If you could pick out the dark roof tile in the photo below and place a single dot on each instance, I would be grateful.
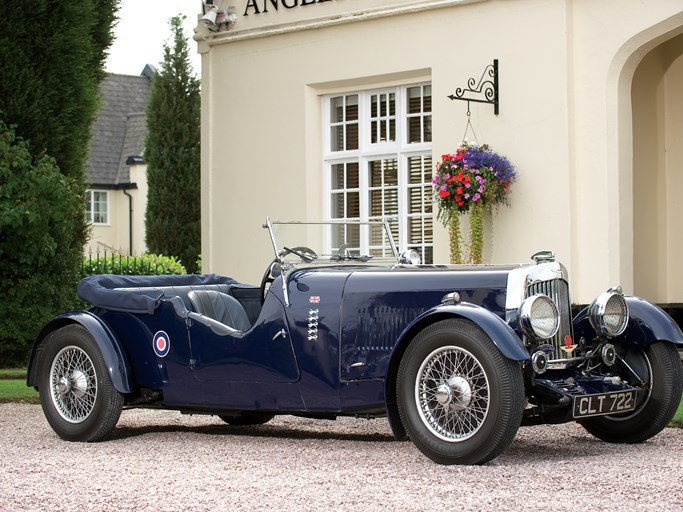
(119, 130)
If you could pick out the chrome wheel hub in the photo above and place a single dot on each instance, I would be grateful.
(64, 385)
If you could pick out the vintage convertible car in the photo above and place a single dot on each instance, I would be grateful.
(456, 357)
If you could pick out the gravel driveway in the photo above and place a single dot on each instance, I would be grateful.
(160, 460)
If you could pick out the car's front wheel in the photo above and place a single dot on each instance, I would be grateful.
(460, 400)
(77, 396)
(660, 375)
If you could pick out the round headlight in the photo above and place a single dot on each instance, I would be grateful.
(609, 314)
(538, 317)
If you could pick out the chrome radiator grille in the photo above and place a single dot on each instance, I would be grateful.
(558, 290)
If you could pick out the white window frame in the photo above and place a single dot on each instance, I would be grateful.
(89, 213)
(399, 149)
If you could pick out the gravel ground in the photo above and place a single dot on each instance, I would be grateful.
(161, 460)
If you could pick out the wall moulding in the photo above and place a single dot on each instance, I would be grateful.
(310, 17)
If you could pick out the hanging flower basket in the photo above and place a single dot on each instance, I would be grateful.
(470, 180)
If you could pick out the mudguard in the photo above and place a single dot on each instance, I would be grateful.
(647, 323)
(502, 335)
(116, 360)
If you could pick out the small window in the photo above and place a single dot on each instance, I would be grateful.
(97, 206)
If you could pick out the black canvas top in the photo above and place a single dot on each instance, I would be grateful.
(114, 292)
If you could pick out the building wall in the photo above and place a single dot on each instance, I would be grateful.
(565, 117)
(115, 236)
(658, 172)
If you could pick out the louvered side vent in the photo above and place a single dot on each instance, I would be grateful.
(558, 290)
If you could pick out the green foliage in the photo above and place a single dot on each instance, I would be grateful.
(145, 265)
(52, 56)
(173, 222)
(39, 246)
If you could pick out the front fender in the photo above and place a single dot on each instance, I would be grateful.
(116, 360)
(502, 335)
(647, 323)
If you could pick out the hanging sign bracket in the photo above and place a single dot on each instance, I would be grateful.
(483, 91)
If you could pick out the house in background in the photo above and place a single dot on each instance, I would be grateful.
(116, 172)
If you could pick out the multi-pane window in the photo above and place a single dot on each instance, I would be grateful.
(97, 206)
(378, 166)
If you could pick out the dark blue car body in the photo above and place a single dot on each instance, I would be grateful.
(333, 339)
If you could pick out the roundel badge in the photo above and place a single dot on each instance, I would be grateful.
(161, 343)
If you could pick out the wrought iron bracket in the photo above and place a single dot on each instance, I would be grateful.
(483, 91)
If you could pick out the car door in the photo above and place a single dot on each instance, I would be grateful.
(254, 369)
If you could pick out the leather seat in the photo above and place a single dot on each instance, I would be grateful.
(222, 307)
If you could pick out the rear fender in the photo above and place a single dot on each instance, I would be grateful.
(116, 360)
(502, 335)
(647, 323)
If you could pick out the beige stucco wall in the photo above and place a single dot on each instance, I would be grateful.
(565, 73)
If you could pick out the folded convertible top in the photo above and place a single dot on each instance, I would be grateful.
(138, 294)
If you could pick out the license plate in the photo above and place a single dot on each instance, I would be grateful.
(604, 403)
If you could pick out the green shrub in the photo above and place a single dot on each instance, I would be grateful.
(39, 209)
(145, 265)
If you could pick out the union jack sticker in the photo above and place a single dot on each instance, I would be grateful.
(314, 299)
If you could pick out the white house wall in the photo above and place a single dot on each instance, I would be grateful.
(114, 236)
(561, 73)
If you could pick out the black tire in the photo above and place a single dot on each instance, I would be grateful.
(658, 398)
(247, 419)
(460, 400)
(77, 396)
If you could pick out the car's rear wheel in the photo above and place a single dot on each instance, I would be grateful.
(248, 418)
(77, 396)
(661, 374)
(460, 400)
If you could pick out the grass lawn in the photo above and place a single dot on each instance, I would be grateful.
(677, 421)
(13, 387)
(15, 390)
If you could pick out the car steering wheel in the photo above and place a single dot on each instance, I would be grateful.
(305, 253)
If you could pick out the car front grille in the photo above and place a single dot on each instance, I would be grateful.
(558, 291)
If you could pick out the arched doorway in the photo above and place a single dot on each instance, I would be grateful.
(657, 135)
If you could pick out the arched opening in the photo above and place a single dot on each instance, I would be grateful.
(657, 126)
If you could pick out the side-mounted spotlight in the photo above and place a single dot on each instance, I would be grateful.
(217, 18)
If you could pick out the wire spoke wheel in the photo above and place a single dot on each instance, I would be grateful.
(459, 399)
(73, 384)
(76, 392)
(452, 391)
(657, 374)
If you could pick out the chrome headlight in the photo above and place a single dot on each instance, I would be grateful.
(538, 317)
(609, 314)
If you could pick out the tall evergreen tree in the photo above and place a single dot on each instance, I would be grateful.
(173, 222)
(52, 58)
(51, 63)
